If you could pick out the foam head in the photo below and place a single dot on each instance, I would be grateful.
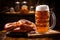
(42, 8)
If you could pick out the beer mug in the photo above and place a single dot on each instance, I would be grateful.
(44, 19)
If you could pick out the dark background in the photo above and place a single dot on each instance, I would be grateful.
(4, 18)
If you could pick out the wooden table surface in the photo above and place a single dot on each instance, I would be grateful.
(52, 35)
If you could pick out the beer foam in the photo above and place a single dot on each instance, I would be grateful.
(42, 8)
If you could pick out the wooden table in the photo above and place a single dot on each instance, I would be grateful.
(51, 35)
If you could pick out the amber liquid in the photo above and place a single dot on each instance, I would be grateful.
(42, 21)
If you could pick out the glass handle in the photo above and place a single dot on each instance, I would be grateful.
(53, 20)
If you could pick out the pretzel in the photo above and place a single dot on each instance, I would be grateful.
(21, 25)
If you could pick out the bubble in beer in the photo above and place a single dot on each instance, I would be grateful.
(42, 8)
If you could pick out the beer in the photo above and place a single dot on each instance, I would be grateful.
(42, 16)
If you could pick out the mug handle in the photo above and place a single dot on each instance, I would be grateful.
(53, 20)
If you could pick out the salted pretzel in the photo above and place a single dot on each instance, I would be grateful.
(20, 26)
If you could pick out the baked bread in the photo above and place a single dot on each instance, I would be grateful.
(20, 26)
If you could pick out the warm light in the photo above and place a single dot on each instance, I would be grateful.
(24, 2)
(31, 7)
(17, 2)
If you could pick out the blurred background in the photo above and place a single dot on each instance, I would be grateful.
(16, 5)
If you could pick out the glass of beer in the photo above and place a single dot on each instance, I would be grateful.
(42, 18)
